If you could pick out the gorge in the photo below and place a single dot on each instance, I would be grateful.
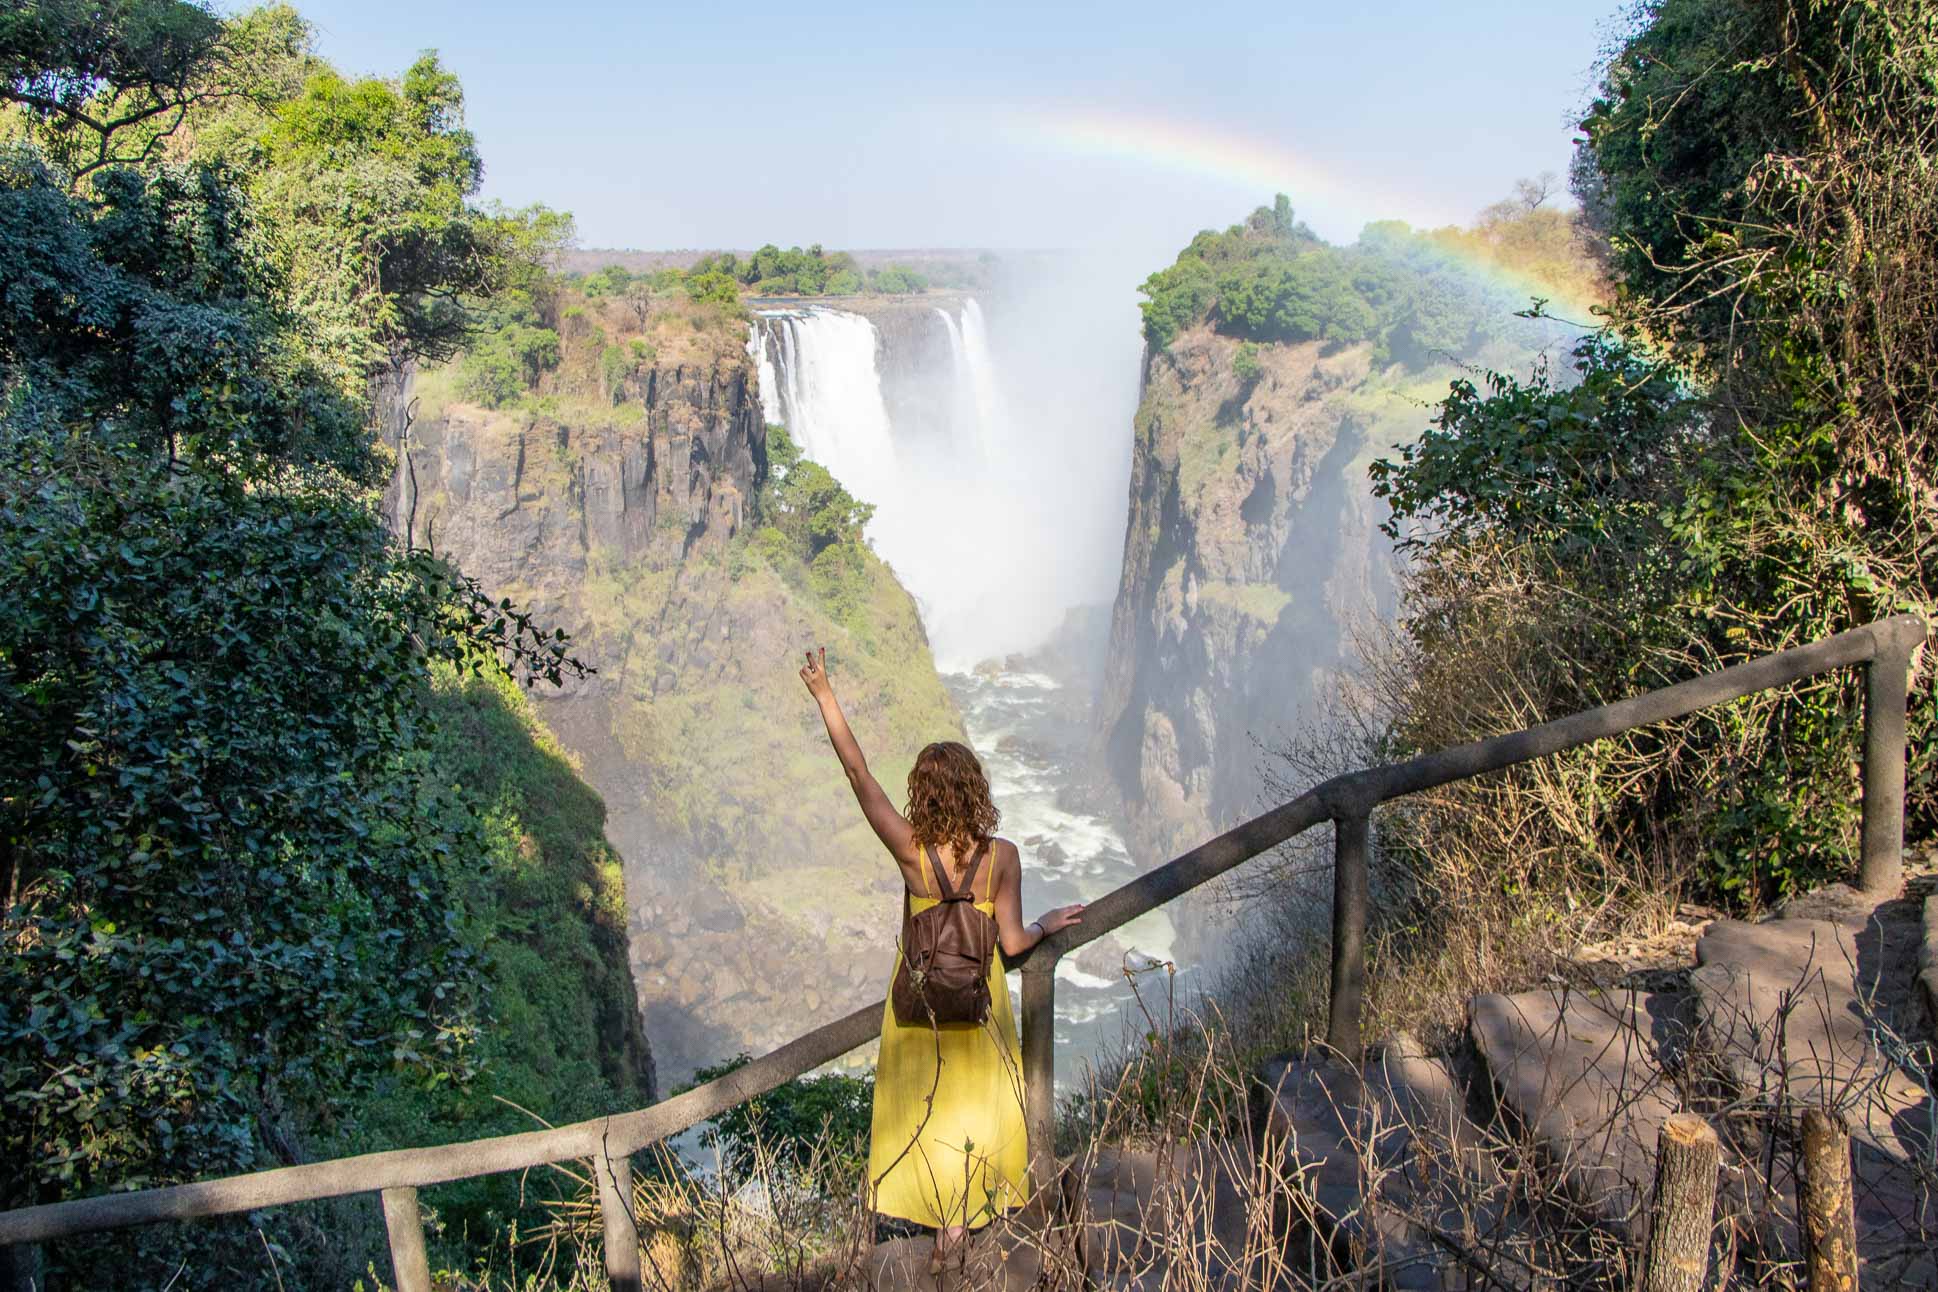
(1004, 499)
(633, 524)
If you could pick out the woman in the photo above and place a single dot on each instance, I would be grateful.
(947, 1148)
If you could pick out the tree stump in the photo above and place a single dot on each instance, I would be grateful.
(1829, 1225)
(1687, 1159)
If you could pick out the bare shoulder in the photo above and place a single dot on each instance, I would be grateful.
(1008, 860)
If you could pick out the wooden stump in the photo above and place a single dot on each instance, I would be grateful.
(1829, 1225)
(1687, 1159)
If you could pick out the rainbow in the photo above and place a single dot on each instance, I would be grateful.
(1248, 163)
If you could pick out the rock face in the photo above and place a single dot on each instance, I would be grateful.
(1251, 550)
(759, 904)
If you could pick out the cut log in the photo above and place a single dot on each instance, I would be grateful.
(1829, 1221)
(1688, 1157)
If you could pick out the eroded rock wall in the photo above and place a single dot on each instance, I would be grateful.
(759, 904)
(1251, 550)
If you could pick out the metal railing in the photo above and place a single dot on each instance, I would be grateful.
(1884, 648)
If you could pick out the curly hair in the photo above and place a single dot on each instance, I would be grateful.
(948, 798)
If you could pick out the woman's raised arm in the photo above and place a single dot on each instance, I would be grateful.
(890, 826)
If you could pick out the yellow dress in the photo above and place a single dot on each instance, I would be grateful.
(963, 1158)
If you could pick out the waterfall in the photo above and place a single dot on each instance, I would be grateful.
(966, 427)
(760, 349)
(991, 418)
(828, 394)
(990, 497)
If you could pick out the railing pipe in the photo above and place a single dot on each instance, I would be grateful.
(1887, 693)
(1350, 885)
(410, 1266)
(1347, 799)
(625, 1133)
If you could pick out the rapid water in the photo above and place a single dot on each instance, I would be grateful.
(1028, 728)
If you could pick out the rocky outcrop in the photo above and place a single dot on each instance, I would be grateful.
(1252, 549)
(758, 904)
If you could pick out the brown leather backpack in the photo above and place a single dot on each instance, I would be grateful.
(944, 972)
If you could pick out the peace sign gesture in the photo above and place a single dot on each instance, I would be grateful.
(815, 674)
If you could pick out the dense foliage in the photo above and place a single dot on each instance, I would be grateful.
(1742, 461)
(239, 896)
(103, 82)
(1420, 297)
(513, 346)
(809, 526)
(545, 920)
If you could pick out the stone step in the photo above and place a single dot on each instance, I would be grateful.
(1583, 1071)
(1802, 1012)
(1792, 1007)
(1150, 1211)
(1348, 1140)
(1032, 1248)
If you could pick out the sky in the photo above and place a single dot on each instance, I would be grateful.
(999, 124)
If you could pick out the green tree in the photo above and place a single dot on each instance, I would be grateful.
(102, 82)
(1747, 461)
(715, 286)
(233, 896)
(510, 351)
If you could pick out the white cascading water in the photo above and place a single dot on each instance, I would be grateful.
(975, 517)
(974, 339)
(760, 349)
(967, 414)
(833, 405)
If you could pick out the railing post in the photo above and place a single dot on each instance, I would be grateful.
(1349, 896)
(20, 1268)
(1887, 688)
(621, 1229)
(409, 1265)
(1039, 1066)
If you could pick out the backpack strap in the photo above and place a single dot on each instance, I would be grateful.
(945, 890)
(951, 892)
(975, 864)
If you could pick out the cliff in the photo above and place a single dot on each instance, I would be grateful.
(621, 505)
(1252, 548)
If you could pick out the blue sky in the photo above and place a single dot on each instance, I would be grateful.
(912, 125)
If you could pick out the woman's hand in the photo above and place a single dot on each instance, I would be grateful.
(1060, 918)
(816, 675)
